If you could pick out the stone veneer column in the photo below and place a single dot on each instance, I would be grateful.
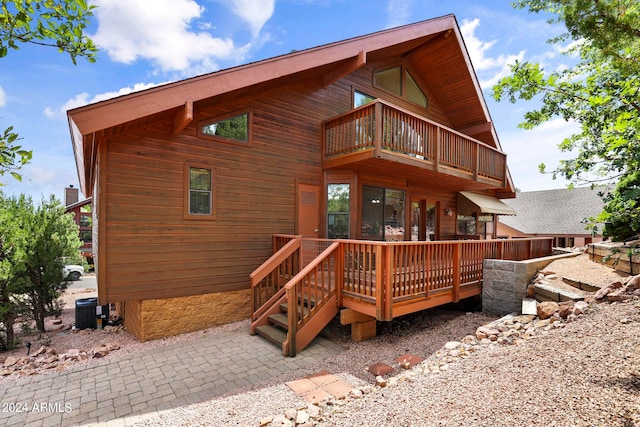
(504, 286)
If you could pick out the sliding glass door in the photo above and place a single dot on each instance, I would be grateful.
(383, 214)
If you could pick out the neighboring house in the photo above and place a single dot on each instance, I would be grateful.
(371, 138)
(81, 210)
(562, 214)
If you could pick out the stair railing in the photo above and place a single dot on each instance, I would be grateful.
(316, 286)
(268, 280)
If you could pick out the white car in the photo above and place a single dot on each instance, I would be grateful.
(73, 272)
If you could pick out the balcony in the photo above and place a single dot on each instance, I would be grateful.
(380, 130)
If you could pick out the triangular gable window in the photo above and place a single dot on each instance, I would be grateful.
(413, 92)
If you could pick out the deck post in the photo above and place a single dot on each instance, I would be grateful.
(438, 148)
(390, 274)
(378, 137)
(292, 314)
(476, 167)
(339, 274)
(457, 272)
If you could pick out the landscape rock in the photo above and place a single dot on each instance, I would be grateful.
(618, 295)
(40, 351)
(633, 283)
(546, 309)
(565, 310)
(302, 417)
(10, 361)
(580, 307)
(452, 345)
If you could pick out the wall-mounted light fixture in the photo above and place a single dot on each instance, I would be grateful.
(448, 212)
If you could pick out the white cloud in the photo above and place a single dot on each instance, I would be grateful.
(160, 31)
(3, 97)
(254, 12)
(84, 98)
(398, 12)
(479, 53)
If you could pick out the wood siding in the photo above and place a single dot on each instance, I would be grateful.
(151, 251)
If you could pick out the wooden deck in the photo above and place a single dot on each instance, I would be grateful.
(310, 279)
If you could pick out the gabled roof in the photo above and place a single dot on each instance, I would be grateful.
(554, 212)
(435, 44)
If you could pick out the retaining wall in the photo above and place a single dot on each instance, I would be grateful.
(504, 284)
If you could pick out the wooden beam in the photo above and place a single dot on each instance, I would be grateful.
(183, 118)
(361, 331)
(474, 130)
(351, 65)
(349, 316)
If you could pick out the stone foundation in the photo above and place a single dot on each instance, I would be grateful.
(159, 318)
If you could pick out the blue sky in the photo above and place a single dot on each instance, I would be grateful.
(149, 42)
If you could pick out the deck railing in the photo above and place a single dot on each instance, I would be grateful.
(378, 275)
(381, 279)
(381, 126)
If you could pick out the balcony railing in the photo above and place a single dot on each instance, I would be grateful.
(380, 128)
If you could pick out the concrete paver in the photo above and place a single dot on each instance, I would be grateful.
(133, 387)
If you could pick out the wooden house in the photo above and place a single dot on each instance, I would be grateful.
(382, 140)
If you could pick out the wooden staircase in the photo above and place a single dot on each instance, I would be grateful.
(278, 326)
(292, 305)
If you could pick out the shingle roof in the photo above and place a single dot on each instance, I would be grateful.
(553, 211)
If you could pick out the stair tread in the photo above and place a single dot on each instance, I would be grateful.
(285, 308)
(279, 319)
(273, 334)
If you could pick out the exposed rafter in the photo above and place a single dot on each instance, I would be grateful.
(474, 130)
(348, 67)
(183, 118)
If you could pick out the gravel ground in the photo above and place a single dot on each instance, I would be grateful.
(586, 373)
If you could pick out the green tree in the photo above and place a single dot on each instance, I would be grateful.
(601, 93)
(54, 23)
(53, 237)
(35, 242)
(12, 242)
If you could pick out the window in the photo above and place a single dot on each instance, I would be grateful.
(392, 81)
(466, 225)
(413, 92)
(199, 200)
(485, 226)
(235, 128)
(338, 211)
(382, 214)
(423, 220)
(85, 219)
(360, 99)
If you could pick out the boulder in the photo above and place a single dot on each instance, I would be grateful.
(546, 309)
(565, 310)
(580, 307)
(10, 361)
(602, 293)
(633, 283)
(618, 295)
